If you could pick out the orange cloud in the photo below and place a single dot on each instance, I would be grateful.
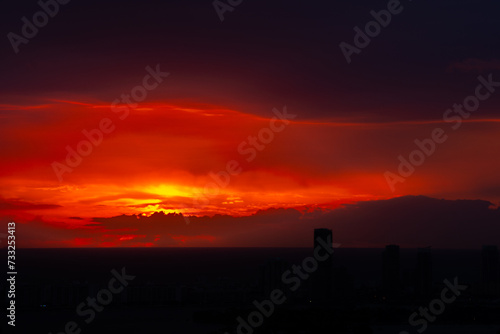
(164, 156)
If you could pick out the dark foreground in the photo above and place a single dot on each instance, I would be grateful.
(241, 290)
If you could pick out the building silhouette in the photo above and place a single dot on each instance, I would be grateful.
(490, 270)
(322, 279)
(391, 270)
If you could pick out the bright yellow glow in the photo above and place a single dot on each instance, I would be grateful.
(129, 202)
(165, 190)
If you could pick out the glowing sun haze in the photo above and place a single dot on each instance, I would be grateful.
(161, 156)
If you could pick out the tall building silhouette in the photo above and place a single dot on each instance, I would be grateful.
(423, 272)
(490, 270)
(322, 279)
(391, 269)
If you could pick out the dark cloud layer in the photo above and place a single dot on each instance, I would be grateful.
(266, 53)
(418, 221)
(411, 221)
(16, 204)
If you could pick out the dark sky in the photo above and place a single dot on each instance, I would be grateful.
(268, 52)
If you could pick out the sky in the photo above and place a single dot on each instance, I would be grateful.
(156, 124)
